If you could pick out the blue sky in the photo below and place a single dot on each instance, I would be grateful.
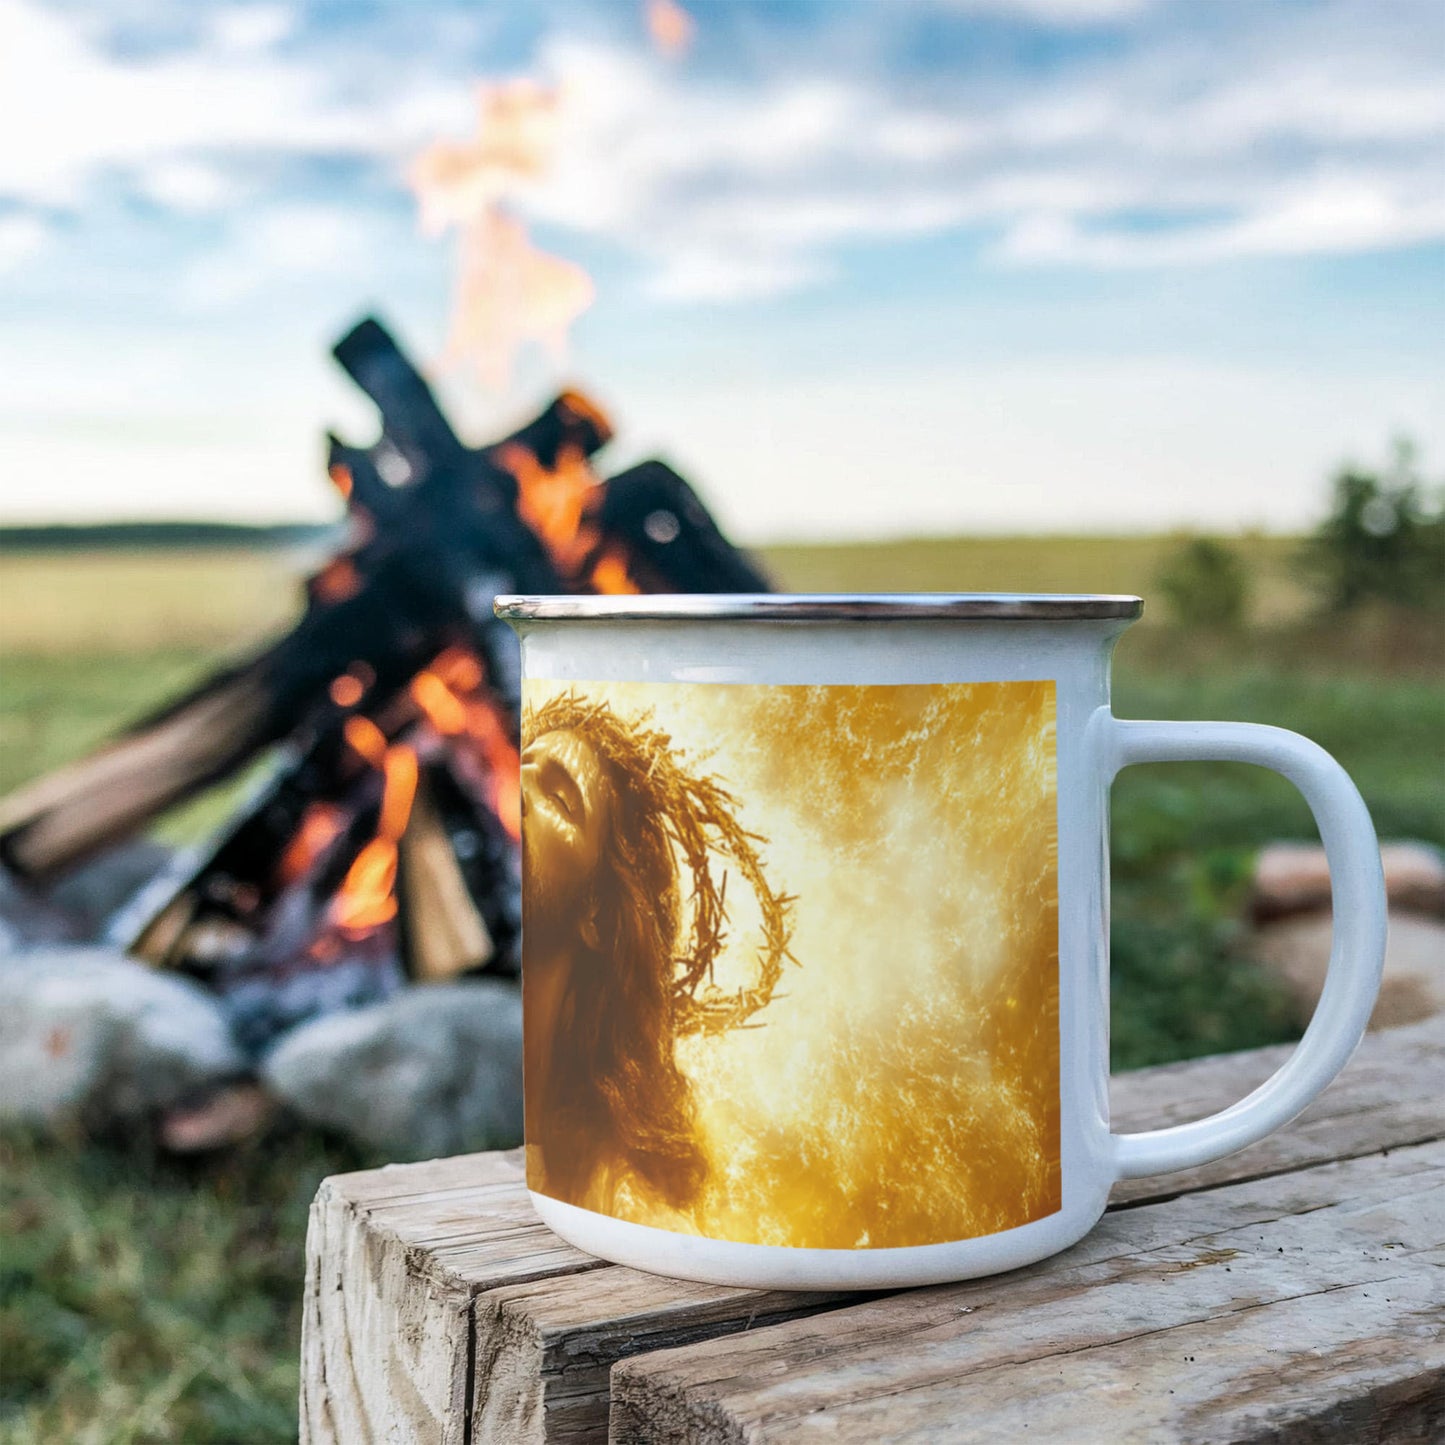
(862, 268)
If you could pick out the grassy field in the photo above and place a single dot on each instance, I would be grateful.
(1030, 564)
(57, 603)
(142, 1299)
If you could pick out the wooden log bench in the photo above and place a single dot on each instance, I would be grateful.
(1295, 1291)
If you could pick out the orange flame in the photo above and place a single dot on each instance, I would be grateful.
(508, 294)
(456, 183)
(459, 669)
(451, 697)
(610, 574)
(443, 709)
(367, 896)
(670, 27)
(552, 502)
(337, 581)
(346, 690)
(321, 825)
(399, 791)
(367, 739)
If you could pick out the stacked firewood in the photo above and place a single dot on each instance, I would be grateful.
(380, 845)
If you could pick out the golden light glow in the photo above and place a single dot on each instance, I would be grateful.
(902, 1087)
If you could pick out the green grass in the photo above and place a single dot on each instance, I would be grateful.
(147, 1300)
(58, 706)
(1184, 838)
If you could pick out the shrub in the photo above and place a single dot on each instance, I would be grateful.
(1383, 541)
(1205, 584)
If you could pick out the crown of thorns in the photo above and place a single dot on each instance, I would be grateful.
(698, 817)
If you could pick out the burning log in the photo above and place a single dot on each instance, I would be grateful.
(429, 558)
(386, 849)
(384, 843)
(663, 527)
(445, 932)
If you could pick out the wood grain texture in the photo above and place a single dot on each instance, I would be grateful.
(545, 1350)
(394, 1258)
(1389, 1094)
(1256, 1311)
(438, 1308)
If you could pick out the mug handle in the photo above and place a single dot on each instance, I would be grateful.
(1357, 954)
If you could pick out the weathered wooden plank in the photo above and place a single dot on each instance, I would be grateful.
(394, 1258)
(422, 1249)
(545, 1349)
(1275, 1305)
(1324, 1367)
(1388, 1095)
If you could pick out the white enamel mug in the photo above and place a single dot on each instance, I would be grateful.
(816, 927)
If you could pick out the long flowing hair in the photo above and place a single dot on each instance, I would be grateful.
(615, 1087)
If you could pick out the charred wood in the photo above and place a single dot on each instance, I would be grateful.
(421, 579)
(674, 542)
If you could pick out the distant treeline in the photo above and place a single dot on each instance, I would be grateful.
(120, 535)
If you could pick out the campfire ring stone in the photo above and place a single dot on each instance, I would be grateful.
(433, 1070)
(90, 1035)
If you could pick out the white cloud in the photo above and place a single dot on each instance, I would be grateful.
(719, 275)
(1285, 134)
(72, 113)
(251, 27)
(188, 186)
(1289, 130)
(21, 237)
(1343, 215)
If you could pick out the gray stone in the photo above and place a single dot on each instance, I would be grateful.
(435, 1070)
(1413, 987)
(93, 893)
(90, 1035)
(1294, 878)
(28, 919)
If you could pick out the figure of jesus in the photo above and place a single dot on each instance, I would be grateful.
(608, 1112)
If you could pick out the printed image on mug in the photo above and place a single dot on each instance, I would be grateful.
(790, 965)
